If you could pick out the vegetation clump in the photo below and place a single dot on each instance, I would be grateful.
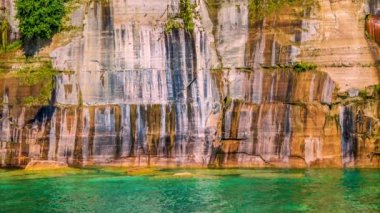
(44, 76)
(364, 94)
(10, 47)
(186, 15)
(304, 66)
(39, 20)
(173, 24)
(259, 9)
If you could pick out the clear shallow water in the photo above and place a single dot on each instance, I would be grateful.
(96, 190)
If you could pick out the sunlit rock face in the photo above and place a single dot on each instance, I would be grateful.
(281, 85)
(271, 110)
(154, 88)
(344, 54)
(153, 92)
(135, 94)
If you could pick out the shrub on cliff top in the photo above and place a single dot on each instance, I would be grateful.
(39, 19)
(304, 66)
(186, 14)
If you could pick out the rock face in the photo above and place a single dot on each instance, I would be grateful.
(344, 54)
(8, 10)
(225, 94)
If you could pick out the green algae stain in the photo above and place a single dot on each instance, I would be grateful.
(44, 76)
(260, 9)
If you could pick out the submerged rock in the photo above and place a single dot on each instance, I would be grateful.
(45, 165)
(183, 174)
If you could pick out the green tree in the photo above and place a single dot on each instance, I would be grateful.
(39, 19)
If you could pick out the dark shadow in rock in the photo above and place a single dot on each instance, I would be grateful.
(32, 46)
(45, 113)
(374, 7)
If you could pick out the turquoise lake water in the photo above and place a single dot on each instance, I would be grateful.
(97, 190)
